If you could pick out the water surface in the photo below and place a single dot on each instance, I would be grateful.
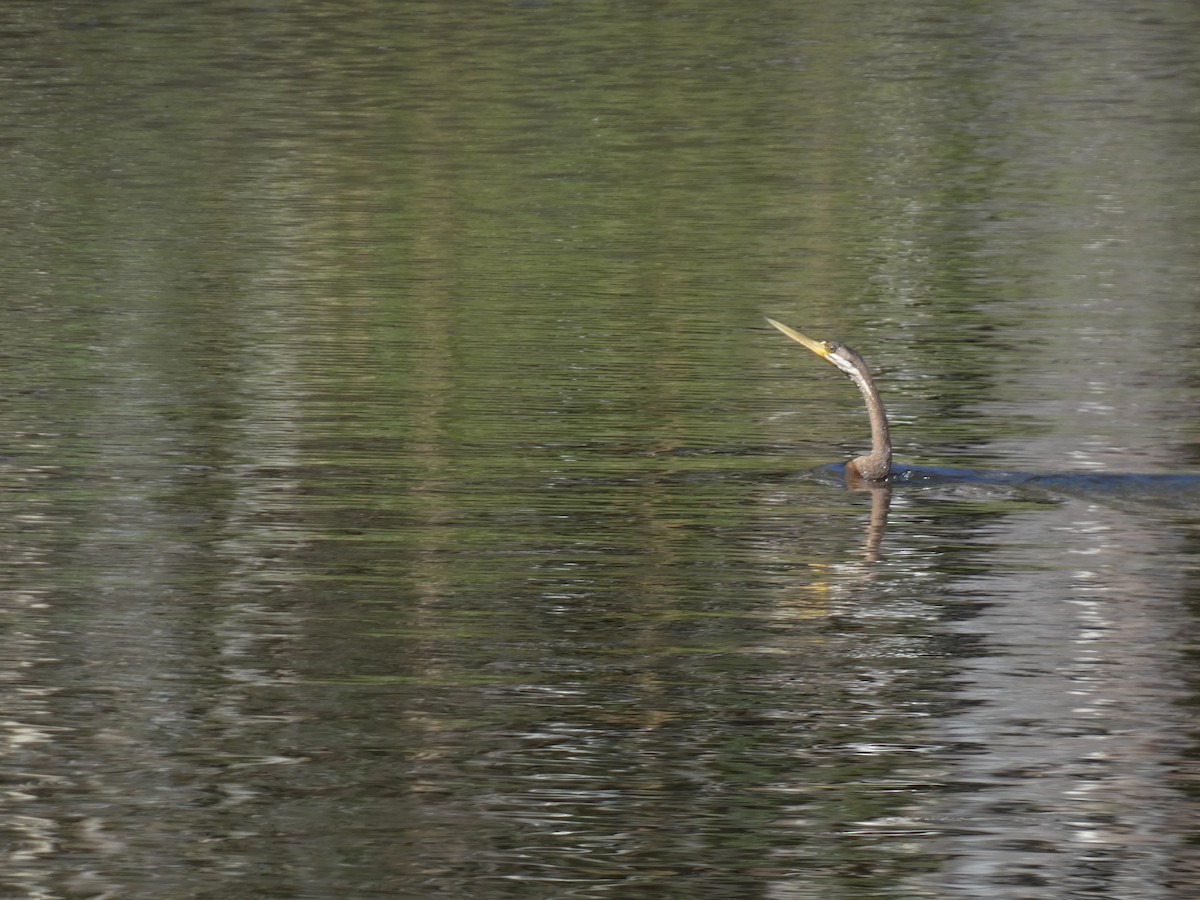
(403, 495)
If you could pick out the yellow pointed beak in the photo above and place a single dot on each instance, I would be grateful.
(817, 347)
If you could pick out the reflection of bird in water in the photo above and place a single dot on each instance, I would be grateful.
(875, 466)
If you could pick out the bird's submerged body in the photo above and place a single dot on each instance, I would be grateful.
(875, 468)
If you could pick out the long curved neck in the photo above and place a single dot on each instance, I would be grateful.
(876, 465)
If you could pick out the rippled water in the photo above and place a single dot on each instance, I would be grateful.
(404, 497)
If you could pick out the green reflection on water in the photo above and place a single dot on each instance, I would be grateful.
(393, 377)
